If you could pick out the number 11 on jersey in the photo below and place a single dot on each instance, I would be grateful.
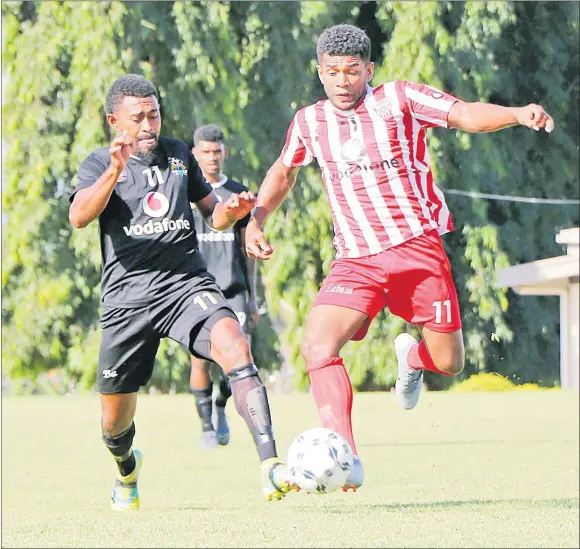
(149, 173)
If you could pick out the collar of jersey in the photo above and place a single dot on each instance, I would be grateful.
(352, 111)
(220, 183)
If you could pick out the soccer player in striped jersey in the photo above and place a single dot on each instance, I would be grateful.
(388, 215)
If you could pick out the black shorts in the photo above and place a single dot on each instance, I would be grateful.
(130, 337)
(239, 304)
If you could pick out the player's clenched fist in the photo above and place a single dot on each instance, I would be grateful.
(237, 206)
(535, 117)
(122, 147)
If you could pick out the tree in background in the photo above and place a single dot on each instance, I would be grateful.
(208, 60)
(247, 66)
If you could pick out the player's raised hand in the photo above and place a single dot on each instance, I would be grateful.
(238, 206)
(535, 117)
(256, 244)
(122, 147)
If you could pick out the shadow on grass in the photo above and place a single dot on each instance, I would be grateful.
(182, 507)
(565, 503)
(338, 508)
(454, 442)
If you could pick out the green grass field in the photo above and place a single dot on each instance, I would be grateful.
(461, 470)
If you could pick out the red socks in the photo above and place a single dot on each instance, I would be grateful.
(332, 392)
(420, 359)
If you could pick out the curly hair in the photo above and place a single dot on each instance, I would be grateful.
(344, 40)
(211, 133)
(130, 85)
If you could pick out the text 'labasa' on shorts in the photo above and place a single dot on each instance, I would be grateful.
(130, 337)
(413, 280)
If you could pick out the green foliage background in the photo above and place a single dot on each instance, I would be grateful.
(248, 66)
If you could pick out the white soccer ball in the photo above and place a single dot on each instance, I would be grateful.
(319, 461)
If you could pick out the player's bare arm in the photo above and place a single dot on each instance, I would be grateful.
(221, 216)
(89, 203)
(277, 184)
(486, 117)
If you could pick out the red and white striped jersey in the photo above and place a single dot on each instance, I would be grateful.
(375, 164)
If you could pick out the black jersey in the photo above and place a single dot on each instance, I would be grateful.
(147, 232)
(222, 250)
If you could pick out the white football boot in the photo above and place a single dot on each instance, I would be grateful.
(409, 381)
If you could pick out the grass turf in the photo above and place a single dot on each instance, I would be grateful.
(461, 470)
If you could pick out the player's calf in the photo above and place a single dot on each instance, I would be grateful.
(251, 402)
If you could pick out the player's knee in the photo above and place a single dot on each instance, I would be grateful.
(451, 364)
(313, 349)
(237, 352)
(113, 424)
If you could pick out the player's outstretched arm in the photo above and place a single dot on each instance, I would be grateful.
(89, 203)
(223, 215)
(274, 189)
(486, 117)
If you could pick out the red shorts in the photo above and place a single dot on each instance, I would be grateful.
(412, 279)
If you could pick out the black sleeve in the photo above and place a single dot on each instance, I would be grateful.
(90, 170)
(198, 187)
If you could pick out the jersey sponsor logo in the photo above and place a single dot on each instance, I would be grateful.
(338, 289)
(151, 227)
(352, 150)
(122, 176)
(155, 204)
(385, 166)
(177, 166)
(218, 236)
(107, 374)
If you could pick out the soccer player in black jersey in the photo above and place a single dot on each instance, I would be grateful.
(154, 280)
(225, 256)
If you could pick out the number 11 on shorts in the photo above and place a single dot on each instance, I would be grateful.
(439, 310)
(199, 300)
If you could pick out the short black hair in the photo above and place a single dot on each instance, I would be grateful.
(344, 40)
(130, 85)
(210, 132)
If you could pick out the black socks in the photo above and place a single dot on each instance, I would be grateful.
(204, 406)
(121, 448)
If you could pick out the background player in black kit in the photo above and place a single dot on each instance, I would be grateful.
(225, 256)
(154, 281)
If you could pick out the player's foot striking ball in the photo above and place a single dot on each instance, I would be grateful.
(276, 479)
